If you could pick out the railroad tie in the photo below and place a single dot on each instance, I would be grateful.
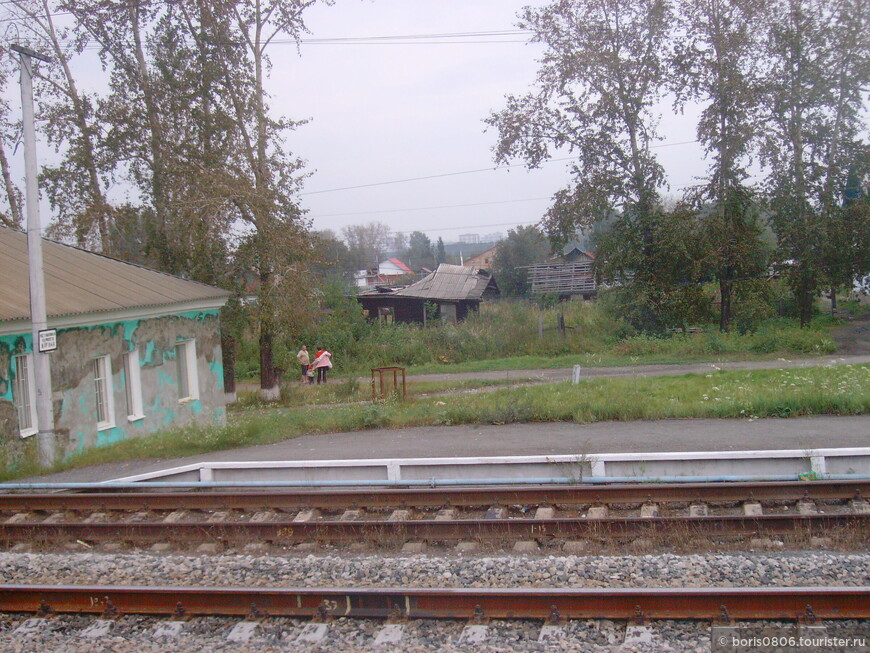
(807, 508)
(307, 515)
(860, 506)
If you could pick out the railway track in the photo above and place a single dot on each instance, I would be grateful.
(780, 603)
(390, 517)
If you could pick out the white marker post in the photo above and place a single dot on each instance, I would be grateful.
(39, 322)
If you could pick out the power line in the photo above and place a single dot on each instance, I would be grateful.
(429, 208)
(464, 172)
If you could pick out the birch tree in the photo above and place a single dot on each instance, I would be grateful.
(76, 185)
(717, 64)
(814, 117)
(267, 178)
(11, 207)
(603, 70)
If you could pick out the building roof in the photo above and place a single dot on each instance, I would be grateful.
(81, 282)
(451, 282)
(575, 245)
(400, 265)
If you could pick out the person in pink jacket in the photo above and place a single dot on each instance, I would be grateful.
(322, 363)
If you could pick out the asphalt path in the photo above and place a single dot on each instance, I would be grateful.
(801, 433)
(676, 369)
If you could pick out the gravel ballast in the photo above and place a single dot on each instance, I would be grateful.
(134, 634)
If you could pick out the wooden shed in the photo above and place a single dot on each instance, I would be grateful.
(447, 294)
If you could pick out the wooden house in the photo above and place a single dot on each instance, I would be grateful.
(569, 275)
(447, 294)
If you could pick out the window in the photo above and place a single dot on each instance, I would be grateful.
(24, 392)
(185, 360)
(103, 393)
(133, 385)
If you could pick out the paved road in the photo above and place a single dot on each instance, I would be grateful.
(548, 438)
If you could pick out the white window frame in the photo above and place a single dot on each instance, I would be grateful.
(25, 389)
(185, 358)
(103, 388)
(133, 386)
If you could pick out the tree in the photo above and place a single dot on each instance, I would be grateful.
(658, 274)
(603, 69)
(440, 252)
(366, 242)
(11, 213)
(419, 253)
(333, 257)
(265, 177)
(524, 246)
(716, 63)
(76, 186)
(819, 62)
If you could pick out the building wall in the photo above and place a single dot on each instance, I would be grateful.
(72, 374)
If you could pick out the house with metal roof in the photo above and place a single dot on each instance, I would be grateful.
(136, 350)
(447, 294)
(386, 273)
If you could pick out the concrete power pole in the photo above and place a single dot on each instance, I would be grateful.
(41, 368)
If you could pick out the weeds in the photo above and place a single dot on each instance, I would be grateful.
(504, 334)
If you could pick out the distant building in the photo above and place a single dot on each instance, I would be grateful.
(388, 272)
(448, 294)
(137, 350)
(483, 260)
(493, 237)
(471, 239)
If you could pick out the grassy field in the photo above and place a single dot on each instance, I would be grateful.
(840, 390)
(504, 335)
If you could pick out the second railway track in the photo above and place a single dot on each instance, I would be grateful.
(394, 517)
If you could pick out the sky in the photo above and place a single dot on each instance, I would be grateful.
(384, 110)
(395, 94)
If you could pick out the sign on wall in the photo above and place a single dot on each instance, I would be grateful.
(47, 340)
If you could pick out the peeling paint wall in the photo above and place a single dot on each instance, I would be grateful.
(72, 373)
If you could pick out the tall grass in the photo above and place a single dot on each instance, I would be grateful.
(508, 329)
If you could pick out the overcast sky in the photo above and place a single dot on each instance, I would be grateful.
(395, 109)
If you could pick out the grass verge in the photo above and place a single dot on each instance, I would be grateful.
(840, 390)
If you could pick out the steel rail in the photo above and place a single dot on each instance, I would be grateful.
(420, 498)
(780, 603)
(422, 529)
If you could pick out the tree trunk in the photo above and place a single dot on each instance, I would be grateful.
(14, 205)
(269, 388)
(726, 287)
(228, 349)
(160, 245)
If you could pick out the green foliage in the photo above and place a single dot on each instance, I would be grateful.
(523, 246)
(420, 252)
(658, 260)
(505, 333)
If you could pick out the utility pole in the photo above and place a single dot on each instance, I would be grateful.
(41, 368)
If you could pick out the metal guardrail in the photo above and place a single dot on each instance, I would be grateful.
(582, 468)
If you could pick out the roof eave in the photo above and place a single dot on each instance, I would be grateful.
(92, 318)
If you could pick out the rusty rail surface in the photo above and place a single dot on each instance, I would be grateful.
(792, 603)
(427, 498)
(280, 532)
